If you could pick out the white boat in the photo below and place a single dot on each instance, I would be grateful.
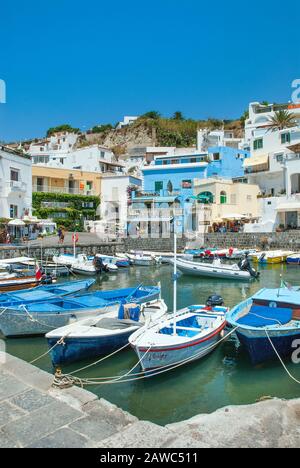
(216, 269)
(139, 259)
(237, 254)
(185, 336)
(102, 334)
(84, 266)
(120, 262)
(65, 259)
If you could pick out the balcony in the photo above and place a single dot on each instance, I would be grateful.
(16, 186)
(66, 190)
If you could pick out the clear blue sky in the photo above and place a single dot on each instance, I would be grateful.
(85, 63)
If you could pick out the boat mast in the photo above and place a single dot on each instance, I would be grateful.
(175, 283)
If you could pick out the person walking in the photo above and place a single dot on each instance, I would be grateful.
(59, 232)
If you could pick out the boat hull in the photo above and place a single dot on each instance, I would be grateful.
(165, 357)
(211, 271)
(260, 349)
(293, 261)
(16, 323)
(76, 349)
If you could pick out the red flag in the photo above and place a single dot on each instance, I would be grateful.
(38, 273)
(75, 237)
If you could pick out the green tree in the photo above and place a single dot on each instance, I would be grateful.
(62, 128)
(151, 115)
(282, 119)
(178, 116)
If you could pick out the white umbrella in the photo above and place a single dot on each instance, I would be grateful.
(16, 222)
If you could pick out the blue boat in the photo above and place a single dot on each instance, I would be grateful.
(100, 335)
(268, 323)
(139, 295)
(293, 259)
(44, 293)
(40, 317)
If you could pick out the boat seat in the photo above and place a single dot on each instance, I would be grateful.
(115, 324)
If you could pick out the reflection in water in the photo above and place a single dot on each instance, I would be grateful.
(223, 378)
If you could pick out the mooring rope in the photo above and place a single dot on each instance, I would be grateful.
(280, 359)
(139, 375)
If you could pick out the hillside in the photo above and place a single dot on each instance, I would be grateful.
(156, 131)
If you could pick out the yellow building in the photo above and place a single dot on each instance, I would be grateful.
(226, 200)
(69, 181)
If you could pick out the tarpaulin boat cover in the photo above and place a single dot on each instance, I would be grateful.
(260, 316)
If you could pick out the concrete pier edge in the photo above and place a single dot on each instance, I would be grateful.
(34, 414)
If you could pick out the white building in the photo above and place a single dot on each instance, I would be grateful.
(274, 166)
(269, 149)
(15, 184)
(62, 150)
(209, 138)
(115, 195)
(140, 156)
(127, 120)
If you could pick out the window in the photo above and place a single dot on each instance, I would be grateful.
(193, 160)
(14, 175)
(233, 199)
(175, 161)
(279, 158)
(258, 144)
(186, 184)
(285, 138)
(158, 186)
(223, 198)
(216, 156)
(13, 211)
(249, 198)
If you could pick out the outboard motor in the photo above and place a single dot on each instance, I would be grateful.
(99, 265)
(215, 300)
(245, 265)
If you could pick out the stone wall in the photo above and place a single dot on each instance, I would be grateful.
(284, 240)
(48, 252)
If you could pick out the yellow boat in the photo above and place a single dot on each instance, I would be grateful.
(271, 257)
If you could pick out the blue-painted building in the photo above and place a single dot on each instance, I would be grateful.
(169, 181)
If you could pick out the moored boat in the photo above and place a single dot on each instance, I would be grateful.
(39, 317)
(44, 293)
(139, 259)
(293, 259)
(184, 336)
(191, 334)
(271, 257)
(216, 269)
(268, 323)
(102, 334)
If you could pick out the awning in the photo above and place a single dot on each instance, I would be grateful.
(288, 207)
(295, 148)
(260, 160)
(235, 216)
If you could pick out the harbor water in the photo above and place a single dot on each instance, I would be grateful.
(226, 377)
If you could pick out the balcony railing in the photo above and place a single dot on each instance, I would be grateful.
(66, 190)
(16, 186)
